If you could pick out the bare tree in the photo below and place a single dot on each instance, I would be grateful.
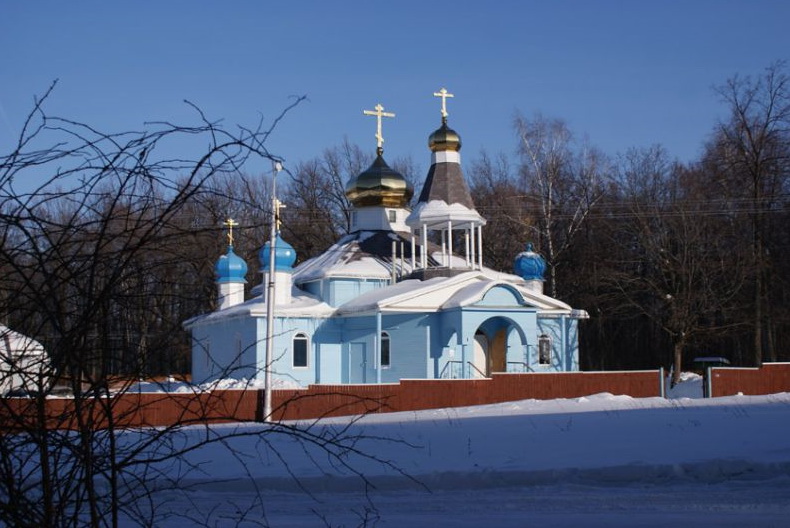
(751, 153)
(564, 180)
(509, 211)
(674, 264)
(95, 270)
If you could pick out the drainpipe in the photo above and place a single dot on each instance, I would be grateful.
(427, 347)
(463, 358)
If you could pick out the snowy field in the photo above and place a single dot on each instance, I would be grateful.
(603, 460)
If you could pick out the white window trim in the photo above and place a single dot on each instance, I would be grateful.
(307, 350)
(538, 361)
(381, 352)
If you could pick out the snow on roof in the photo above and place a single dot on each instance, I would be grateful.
(363, 254)
(443, 293)
(15, 344)
(302, 304)
(439, 212)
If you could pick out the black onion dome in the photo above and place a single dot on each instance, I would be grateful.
(379, 185)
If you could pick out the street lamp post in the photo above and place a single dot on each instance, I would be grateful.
(267, 392)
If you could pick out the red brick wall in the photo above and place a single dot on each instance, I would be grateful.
(318, 401)
(410, 395)
(769, 379)
(132, 410)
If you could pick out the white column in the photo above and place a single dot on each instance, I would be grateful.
(472, 244)
(444, 248)
(480, 245)
(412, 252)
(466, 247)
(450, 244)
(424, 251)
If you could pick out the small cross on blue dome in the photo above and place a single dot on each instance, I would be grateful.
(231, 268)
(284, 255)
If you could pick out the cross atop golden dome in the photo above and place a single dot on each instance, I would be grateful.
(444, 94)
(379, 113)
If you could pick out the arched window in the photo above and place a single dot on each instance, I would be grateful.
(385, 349)
(544, 350)
(300, 350)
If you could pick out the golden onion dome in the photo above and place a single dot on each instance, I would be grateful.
(380, 186)
(444, 138)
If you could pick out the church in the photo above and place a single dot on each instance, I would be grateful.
(405, 294)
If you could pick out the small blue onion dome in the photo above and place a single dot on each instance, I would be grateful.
(284, 255)
(231, 268)
(529, 265)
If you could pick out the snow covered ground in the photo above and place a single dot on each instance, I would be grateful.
(603, 460)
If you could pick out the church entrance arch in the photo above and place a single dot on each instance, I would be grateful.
(491, 346)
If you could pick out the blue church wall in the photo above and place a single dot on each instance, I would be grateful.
(572, 350)
(408, 348)
(563, 332)
(285, 330)
(501, 296)
(328, 354)
(357, 336)
(443, 365)
(337, 292)
(313, 288)
(224, 349)
(344, 350)
(517, 355)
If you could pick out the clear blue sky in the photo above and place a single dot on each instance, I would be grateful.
(623, 73)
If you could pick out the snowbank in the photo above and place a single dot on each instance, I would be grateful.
(584, 454)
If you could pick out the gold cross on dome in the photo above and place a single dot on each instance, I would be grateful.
(444, 94)
(379, 113)
(230, 223)
(277, 206)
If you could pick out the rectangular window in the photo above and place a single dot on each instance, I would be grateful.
(300, 350)
(544, 350)
(392, 215)
(385, 349)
